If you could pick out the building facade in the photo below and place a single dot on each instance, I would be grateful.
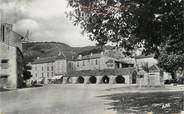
(11, 58)
(154, 75)
(98, 67)
(44, 69)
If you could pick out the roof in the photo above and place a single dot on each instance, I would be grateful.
(154, 68)
(121, 71)
(86, 57)
(88, 52)
(144, 56)
(2, 43)
(44, 60)
(48, 59)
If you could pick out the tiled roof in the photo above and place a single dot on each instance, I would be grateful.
(48, 59)
(121, 71)
(154, 68)
(143, 56)
(95, 50)
(86, 57)
(44, 60)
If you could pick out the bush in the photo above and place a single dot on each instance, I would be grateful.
(171, 81)
(181, 80)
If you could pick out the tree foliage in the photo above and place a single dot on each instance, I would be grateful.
(154, 25)
(26, 73)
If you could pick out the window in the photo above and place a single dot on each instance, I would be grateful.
(42, 68)
(141, 76)
(52, 74)
(52, 68)
(4, 64)
(96, 61)
(42, 75)
(35, 74)
(77, 63)
(4, 76)
(35, 68)
(3, 79)
(47, 74)
(4, 61)
(91, 61)
(83, 62)
(47, 68)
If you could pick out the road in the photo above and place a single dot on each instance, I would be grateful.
(60, 99)
(55, 99)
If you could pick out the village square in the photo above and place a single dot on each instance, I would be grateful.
(135, 65)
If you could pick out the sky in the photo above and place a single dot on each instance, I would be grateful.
(44, 19)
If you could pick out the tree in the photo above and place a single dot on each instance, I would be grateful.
(145, 67)
(154, 25)
(171, 62)
(26, 73)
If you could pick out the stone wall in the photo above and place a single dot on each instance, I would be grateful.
(8, 72)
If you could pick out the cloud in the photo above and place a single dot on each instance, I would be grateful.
(27, 24)
(45, 19)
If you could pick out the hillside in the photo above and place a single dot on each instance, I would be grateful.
(32, 50)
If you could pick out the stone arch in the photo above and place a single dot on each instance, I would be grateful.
(92, 80)
(120, 79)
(80, 80)
(105, 80)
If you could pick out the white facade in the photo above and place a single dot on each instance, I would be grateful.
(10, 66)
(144, 60)
(60, 67)
(11, 58)
(98, 63)
(42, 71)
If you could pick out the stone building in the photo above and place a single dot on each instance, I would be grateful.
(97, 67)
(45, 69)
(142, 60)
(154, 75)
(11, 58)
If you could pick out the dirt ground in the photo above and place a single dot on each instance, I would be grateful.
(80, 99)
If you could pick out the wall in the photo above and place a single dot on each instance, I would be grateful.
(151, 79)
(42, 70)
(150, 60)
(90, 64)
(60, 66)
(11, 37)
(9, 53)
(20, 67)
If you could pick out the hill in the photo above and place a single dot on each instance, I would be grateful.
(32, 50)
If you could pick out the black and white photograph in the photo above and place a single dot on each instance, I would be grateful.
(91, 56)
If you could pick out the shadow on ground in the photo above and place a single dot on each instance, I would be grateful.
(159, 102)
(3, 90)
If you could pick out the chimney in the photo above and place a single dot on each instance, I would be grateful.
(5, 27)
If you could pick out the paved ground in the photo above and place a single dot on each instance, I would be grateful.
(67, 99)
